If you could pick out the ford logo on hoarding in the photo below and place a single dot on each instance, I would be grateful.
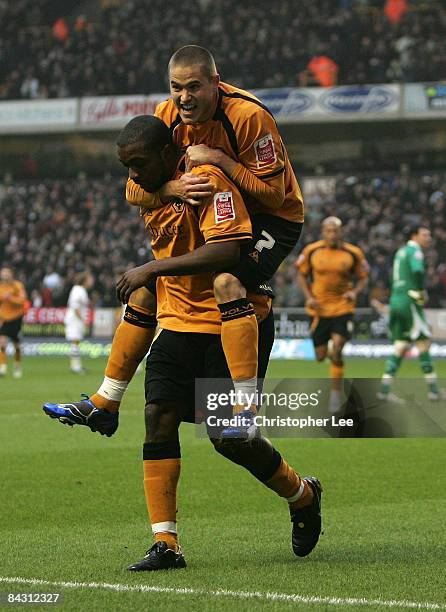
(365, 99)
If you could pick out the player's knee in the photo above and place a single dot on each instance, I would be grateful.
(336, 356)
(143, 298)
(161, 423)
(228, 287)
(400, 347)
(423, 345)
(321, 353)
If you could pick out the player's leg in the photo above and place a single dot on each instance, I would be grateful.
(321, 336)
(169, 385)
(400, 324)
(131, 343)
(427, 367)
(265, 463)
(75, 356)
(239, 336)
(17, 364)
(3, 356)
(161, 468)
(302, 494)
(341, 329)
(273, 239)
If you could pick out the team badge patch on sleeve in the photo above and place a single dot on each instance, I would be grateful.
(223, 207)
(265, 152)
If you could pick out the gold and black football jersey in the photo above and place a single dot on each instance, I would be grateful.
(246, 131)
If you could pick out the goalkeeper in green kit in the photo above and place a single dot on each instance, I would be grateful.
(407, 319)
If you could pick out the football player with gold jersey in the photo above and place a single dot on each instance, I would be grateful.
(330, 297)
(227, 127)
(189, 244)
(12, 309)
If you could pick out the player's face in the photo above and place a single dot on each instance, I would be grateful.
(194, 94)
(6, 275)
(424, 237)
(148, 169)
(331, 234)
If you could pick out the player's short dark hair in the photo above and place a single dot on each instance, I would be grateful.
(149, 130)
(413, 229)
(192, 55)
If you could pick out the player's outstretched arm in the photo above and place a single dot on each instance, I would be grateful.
(189, 188)
(207, 258)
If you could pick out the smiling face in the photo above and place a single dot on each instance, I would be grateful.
(149, 169)
(194, 94)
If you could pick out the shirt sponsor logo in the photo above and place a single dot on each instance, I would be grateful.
(265, 152)
(223, 207)
(165, 231)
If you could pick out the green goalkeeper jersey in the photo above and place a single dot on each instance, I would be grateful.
(408, 269)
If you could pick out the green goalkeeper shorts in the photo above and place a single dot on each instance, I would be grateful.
(407, 320)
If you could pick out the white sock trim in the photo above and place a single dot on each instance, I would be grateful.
(113, 389)
(246, 392)
(297, 495)
(166, 526)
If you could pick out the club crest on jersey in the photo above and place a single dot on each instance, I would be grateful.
(223, 207)
(265, 152)
(178, 206)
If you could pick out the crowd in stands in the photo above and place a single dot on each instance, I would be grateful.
(124, 47)
(51, 229)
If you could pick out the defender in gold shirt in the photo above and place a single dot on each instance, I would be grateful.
(331, 264)
(12, 309)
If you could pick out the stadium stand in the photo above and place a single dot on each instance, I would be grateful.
(123, 47)
(50, 229)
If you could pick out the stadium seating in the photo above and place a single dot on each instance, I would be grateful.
(55, 227)
(124, 47)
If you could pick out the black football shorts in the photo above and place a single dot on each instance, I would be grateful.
(273, 238)
(323, 327)
(11, 329)
(176, 359)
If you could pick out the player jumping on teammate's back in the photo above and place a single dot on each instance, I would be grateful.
(246, 145)
(189, 347)
(407, 319)
(331, 297)
(12, 304)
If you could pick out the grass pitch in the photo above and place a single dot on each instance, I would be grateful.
(73, 511)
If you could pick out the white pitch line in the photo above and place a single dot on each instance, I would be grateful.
(286, 597)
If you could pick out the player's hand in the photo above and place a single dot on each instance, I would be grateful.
(349, 296)
(189, 188)
(197, 155)
(420, 297)
(312, 303)
(134, 279)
